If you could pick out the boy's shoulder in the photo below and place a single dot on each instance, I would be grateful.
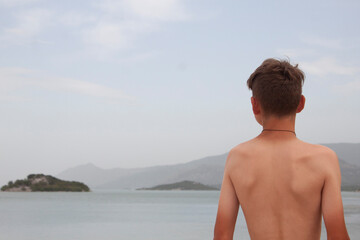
(243, 148)
(318, 150)
(314, 151)
(242, 151)
(316, 157)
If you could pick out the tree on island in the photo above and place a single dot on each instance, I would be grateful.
(44, 183)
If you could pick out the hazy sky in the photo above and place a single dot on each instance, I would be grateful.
(133, 83)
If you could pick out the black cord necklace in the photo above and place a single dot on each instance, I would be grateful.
(278, 130)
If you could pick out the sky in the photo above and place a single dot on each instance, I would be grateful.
(135, 83)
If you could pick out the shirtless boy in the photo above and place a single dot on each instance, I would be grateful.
(283, 185)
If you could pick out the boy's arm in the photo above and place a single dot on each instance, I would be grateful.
(332, 207)
(228, 208)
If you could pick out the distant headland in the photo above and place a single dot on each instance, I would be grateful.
(183, 185)
(44, 183)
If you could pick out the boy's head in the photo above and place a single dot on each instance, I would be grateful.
(277, 86)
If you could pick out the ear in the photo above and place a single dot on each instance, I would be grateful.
(255, 105)
(301, 104)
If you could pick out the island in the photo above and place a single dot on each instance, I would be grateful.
(44, 183)
(184, 185)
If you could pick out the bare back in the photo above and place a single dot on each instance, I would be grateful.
(278, 184)
(283, 185)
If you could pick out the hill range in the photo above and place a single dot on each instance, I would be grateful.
(207, 171)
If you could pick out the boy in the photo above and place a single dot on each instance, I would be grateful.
(282, 184)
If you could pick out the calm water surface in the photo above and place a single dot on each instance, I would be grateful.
(110, 215)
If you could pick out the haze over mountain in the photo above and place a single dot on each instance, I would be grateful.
(208, 171)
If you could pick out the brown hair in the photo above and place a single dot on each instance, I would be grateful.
(277, 85)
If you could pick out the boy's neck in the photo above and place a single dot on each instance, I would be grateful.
(282, 123)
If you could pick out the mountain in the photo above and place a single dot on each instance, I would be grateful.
(350, 176)
(95, 176)
(208, 171)
(184, 185)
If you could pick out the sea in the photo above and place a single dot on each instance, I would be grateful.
(128, 215)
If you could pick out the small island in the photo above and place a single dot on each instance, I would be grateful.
(184, 185)
(44, 183)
